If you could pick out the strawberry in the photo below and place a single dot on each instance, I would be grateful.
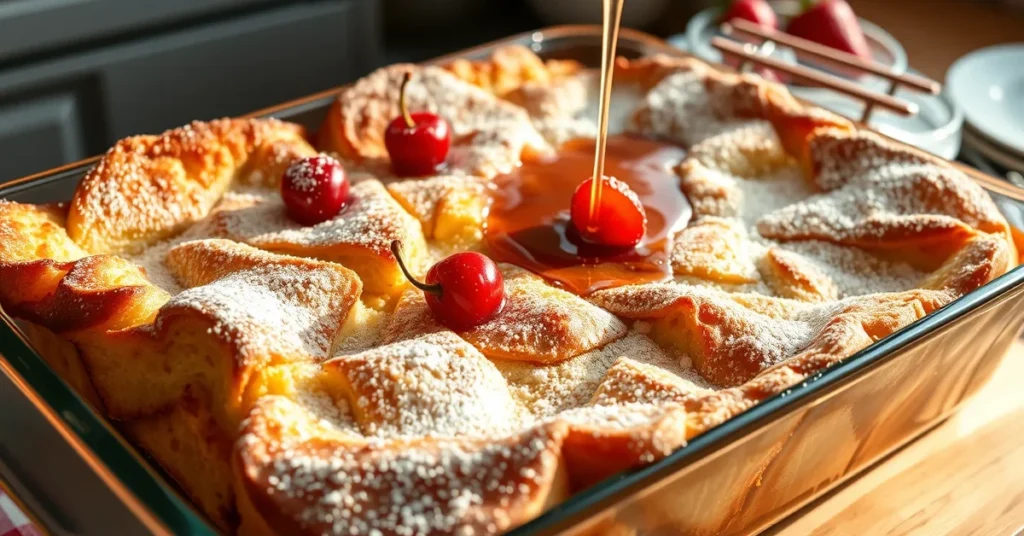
(831, 23)
(756, 11)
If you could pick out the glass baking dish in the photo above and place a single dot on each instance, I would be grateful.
(740, 477)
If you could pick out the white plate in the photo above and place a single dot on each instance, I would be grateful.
(997, 154)
(989, 85)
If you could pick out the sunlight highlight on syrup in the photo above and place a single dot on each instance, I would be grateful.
(529, 224)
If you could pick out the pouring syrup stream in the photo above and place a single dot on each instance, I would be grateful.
(530, 224)
(611, 18)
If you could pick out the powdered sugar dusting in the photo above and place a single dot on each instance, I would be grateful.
(733, 336)
(854, 271)
(443, 486)
(277, 311)
(679, 108)
(437, 385)
(808, 234)
(618, 417)
(538, 323)
(304, 175)
(548, 391)
(154, 258)
(767, 194)
(421, 430)
(371, 219)
(904, 198)
(147, 188)
(488, 134)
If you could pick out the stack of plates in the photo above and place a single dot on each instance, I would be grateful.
(988, 85)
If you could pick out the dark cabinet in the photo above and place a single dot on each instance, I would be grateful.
(64, 106)
(47, 127)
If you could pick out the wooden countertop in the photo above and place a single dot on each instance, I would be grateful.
(937, 32)
(964, 477)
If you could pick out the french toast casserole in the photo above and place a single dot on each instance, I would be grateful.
(291, 380)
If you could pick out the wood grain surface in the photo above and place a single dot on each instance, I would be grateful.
(937, 32)
(966, 476)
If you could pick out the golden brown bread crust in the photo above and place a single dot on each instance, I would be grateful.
(172, 368)
(50, 281)
(65, 359)
(277, 434)
(709, 248)
(539, 323)
(488, 134)
(511, 68)
(314, 402)
(33, 232)
(148, 187)
(215, 336)
(450, 209)
(791, 277)
(193, 448)
(359, 237)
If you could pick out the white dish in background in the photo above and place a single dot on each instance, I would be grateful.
(993, 152)
(988, 85)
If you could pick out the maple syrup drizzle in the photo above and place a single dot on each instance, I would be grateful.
(528, 223)
(611, 17)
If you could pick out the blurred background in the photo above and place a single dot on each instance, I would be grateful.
(75, 75)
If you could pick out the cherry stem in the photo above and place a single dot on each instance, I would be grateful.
(806, 5)
(396, 250)
(401, 101)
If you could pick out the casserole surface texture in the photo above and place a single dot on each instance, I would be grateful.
(290, 381)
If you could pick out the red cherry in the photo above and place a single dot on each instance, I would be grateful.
(463, 291)
(756, 11)
(417, 143)
(314, 189)
(831, 23)
(620, 219)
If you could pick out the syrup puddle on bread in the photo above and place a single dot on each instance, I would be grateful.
(609, 39)
(529, 221)
(529, 225)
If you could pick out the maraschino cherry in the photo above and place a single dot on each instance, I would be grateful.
(463, 291)
(417, 143)
(314, 189)
(619, 221)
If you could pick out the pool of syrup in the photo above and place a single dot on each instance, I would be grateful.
(529, 224)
